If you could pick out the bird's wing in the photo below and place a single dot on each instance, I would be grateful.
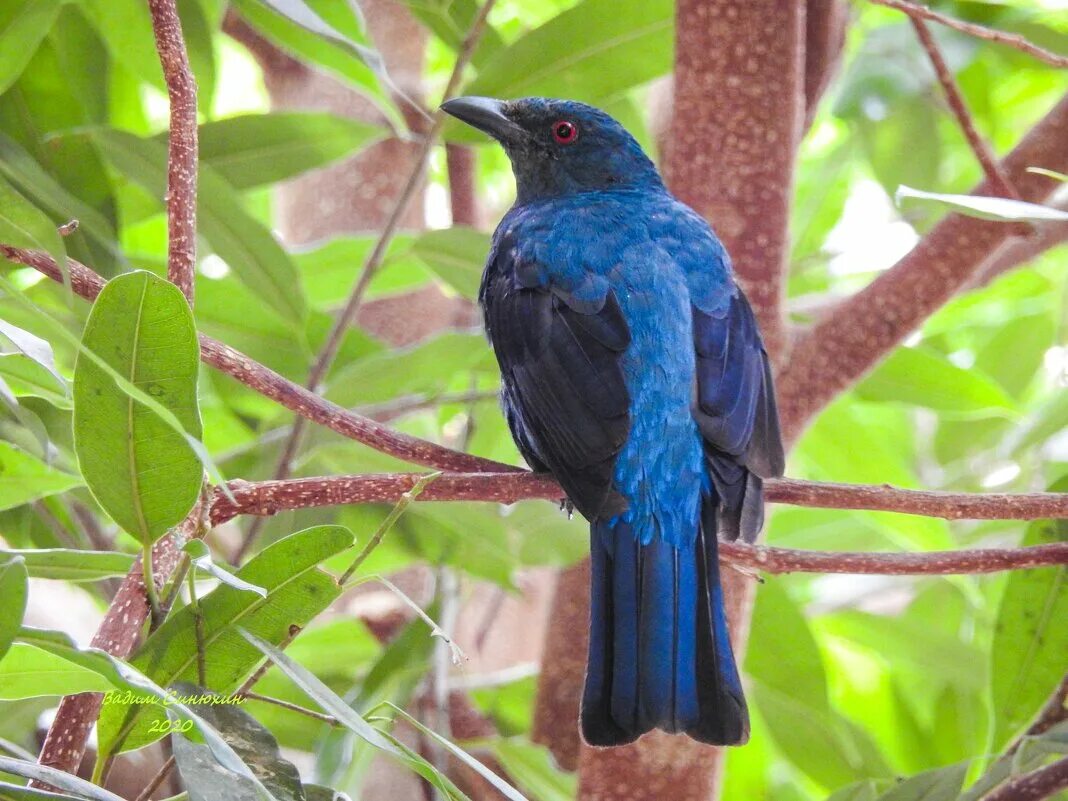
(564, 392)
(736, 412)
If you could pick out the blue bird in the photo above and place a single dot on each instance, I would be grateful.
(633, 371)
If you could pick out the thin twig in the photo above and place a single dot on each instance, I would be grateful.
(198, 628)
(250, 682)
(344, 320)
(311, 713)
(182, 148)
(978, 31)
(157, 780)
(985, 155)
(1043, 783)
(1053, 712)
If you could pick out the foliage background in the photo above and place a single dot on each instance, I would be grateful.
(851, 678)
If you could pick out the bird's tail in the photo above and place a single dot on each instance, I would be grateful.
(660, 656)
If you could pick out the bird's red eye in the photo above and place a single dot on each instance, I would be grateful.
(565, 132)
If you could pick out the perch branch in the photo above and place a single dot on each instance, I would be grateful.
(182, 147)
(986, 157)
(488, 480)
(916, 10)
(270, 497)
(345, 318)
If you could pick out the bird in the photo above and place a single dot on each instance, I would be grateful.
(633, 371)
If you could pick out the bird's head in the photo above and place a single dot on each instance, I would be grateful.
(559, 147)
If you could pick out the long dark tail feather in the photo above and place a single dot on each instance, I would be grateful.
(660, 656)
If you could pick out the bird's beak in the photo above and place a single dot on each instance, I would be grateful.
(487, 115)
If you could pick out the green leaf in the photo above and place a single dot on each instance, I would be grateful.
(942, 784)
(334, 705)
(201, 558)
(788, 686)
(23, 24)
(125, 677)
(32, 346)
(25, 478)
(23, 225)
(121, 381)
(394, 677)
(256, 149)
(50, 195)
(925, 378)
(458, 753)
(985, 208)
(325, 33)
(1030, 638)
(29, 672)
(56, 778)
(19, 792)
(534, 770)
(247, 247)
(141, 471)
(126, 28)
(296, 592)
(456, 255)
(450, 20)
(206, 780)
(592, 52)
(28, 379)
(315, 792)
(13, 592)
(426, 368)
(64, 564)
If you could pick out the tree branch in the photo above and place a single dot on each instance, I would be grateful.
(182, 147)
(852, 338)
(1042, 783)
(995, 174)
(267, 498)
(118, 633)
(268, 383)
(979, 31)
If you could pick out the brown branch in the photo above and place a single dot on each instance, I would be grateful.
(345, 319)
(267, 382)
(850, 340)
(1053, 712)
(267, 498)
(271, 497)
(984, 154)
(1043, 783)
(118, 633)
(979, 31)
(182, 148)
